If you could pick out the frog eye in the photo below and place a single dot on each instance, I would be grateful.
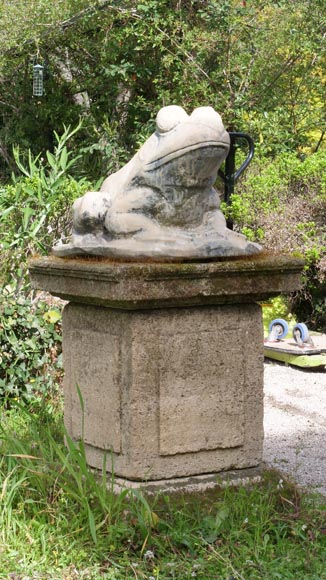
(169, 117)
(207, 116)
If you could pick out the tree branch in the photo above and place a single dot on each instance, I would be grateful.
(321, 138)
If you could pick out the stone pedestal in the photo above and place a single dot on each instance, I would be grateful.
(168, 359)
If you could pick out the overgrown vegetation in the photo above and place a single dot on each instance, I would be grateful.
(117, 62)
(30, 348)
(36, 208)
(75, 527)
(282, 204)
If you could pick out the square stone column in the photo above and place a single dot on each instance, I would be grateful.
(168, 359)
(170, 393)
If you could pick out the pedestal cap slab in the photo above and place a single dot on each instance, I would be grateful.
(138, 285)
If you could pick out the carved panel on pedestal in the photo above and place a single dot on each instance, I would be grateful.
(201, 392)
(96, 371)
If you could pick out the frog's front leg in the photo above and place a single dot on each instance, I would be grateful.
(132, 213)
(121, 225)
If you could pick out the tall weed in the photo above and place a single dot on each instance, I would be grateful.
(45, 476)
(50, 499)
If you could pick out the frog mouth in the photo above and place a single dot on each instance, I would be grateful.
(219, 149)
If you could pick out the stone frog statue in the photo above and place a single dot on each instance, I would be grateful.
(162, 202)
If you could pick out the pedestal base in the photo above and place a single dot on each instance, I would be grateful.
(168, 359)
(168, 392)
(194, 483)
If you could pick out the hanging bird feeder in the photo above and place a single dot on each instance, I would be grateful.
(38, 80)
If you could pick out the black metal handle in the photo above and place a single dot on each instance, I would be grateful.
(230, 174)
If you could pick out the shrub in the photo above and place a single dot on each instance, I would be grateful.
(30, 347)
(278, 307)
(35, 208)
(309, 304)
(282, 205)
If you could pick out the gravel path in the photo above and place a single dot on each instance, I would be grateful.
(295, 424)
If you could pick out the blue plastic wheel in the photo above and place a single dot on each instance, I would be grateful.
(279, 328)
(302, 330)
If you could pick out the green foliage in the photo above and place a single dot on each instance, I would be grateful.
(30, 347)
(309, 304)
(50, 498)
(54, 481)
(36, 207)
(105, 154)
(281, 204)
(118, 62)
(278, 307)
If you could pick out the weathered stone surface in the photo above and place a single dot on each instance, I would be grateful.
(157, 285)
(170, 393)
(193, 483)
(98, 377)
(208, 410)
(168, 359)
(162, 203)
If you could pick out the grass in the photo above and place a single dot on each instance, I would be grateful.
(58, 521)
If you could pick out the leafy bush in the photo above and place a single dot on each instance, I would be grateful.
(282, 205)
(309, 304)
(30, 347)
(278, 307)
(265, 79)
(35, 208)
